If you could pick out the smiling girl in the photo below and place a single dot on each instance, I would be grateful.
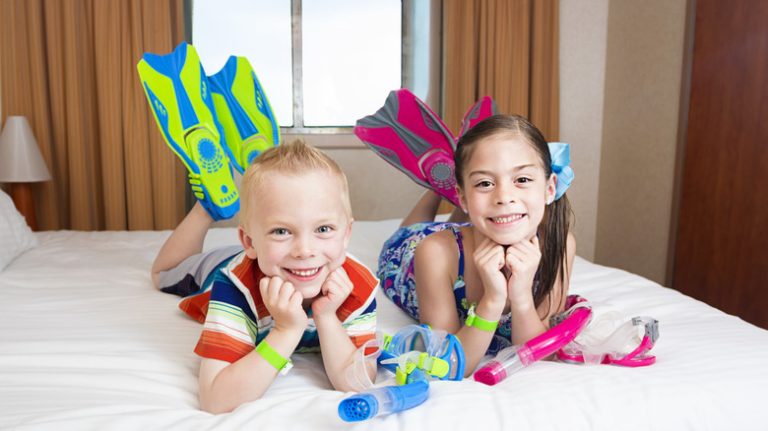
(496, 280)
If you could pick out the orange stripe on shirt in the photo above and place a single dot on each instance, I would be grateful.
(216, 345)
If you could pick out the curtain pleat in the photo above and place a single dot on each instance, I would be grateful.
(506, 49)
(69, 66)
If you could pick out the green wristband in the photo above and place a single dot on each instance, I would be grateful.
(478, 322)
(281, 364)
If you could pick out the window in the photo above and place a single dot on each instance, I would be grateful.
(335, 64)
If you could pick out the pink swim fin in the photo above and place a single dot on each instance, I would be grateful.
(413, 139)
(478, 112)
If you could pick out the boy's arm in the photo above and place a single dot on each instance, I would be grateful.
(224, 386)
(338, 351)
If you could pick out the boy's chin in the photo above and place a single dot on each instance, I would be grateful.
(309, 291)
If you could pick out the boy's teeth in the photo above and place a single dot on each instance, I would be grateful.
(305, 272)
(508, 219)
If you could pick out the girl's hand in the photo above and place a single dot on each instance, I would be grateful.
(522, 261)
(283, 303)
(334, 291)
(489, 260)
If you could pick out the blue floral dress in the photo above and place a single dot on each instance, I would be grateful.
(395, 272)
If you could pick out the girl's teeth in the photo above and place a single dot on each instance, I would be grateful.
(305, 272)
(508, 219)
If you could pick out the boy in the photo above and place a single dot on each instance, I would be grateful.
(289, 287)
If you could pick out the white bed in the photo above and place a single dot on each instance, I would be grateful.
(87, 343)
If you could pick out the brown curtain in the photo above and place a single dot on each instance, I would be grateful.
(69, 66)
(506, 49)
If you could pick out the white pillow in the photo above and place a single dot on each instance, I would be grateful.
(15, 236)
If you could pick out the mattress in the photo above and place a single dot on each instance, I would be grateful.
(86, 342)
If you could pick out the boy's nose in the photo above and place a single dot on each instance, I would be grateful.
(302, 248)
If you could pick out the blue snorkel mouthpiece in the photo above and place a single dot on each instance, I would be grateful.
(383, 401)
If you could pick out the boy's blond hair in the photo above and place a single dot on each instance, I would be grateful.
(293, 158)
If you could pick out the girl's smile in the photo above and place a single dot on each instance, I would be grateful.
(507, 220)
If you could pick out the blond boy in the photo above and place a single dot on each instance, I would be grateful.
(289, 287)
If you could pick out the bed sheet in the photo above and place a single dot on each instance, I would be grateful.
(86, 342)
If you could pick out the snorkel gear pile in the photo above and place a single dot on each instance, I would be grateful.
(578, 336)
(415, 354)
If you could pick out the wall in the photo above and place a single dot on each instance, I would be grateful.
(583, 28)
(377, 190)
(624, 157)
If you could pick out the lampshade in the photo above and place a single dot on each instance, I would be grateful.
(20, 158)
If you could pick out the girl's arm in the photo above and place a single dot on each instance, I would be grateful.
(529, 321)
(435, 266)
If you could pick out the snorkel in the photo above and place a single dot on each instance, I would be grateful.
(586, 333)
(512, 359)
(415, 354)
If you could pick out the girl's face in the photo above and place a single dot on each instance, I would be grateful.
(505, 188)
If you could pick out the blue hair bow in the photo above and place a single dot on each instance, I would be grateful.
(561, 160)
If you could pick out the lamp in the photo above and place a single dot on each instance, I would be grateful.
(21, 164)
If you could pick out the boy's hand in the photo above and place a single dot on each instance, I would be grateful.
(522, 261)
(489, 260)
(334, 291)
(283, 303)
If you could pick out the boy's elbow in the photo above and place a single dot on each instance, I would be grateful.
(218, 405)
(211, 407)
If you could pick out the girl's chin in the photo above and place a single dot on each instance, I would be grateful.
(506, 239)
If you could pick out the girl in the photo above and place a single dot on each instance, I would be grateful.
(496, 280)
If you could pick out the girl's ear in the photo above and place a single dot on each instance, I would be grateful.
(462, 199)
(551, 188)
(247, 242)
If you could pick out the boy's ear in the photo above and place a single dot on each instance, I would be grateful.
(348, 233)
(247, 242)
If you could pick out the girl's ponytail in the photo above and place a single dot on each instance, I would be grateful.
(553, 236)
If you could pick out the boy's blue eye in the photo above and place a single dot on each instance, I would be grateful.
(325, 229)
(279, 231)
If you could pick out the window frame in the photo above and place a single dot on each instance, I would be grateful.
(407, 74)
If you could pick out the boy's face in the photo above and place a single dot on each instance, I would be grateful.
(299, 229)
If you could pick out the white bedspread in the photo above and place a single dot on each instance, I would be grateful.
(87, 343)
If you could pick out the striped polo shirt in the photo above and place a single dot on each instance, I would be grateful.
(235, 318)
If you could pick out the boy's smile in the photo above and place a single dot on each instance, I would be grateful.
(299, 228)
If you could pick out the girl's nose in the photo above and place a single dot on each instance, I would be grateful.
(505, 194)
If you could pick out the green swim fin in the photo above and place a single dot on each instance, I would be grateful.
(244, 111)
(177, 91)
